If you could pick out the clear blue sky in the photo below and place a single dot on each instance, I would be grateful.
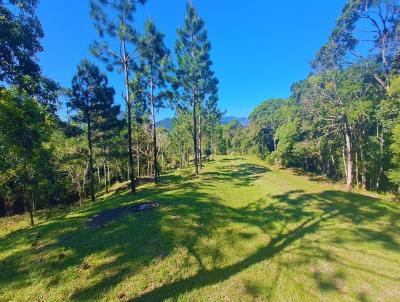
(259, 47)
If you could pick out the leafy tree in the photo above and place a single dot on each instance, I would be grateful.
(394, 174)
(20, 35)
(265, 120)
(71, 156)
(334, 104)
(212, 116)
(179, 146)
(378, 21)
(25, 127)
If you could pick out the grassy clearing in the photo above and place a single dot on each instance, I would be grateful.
(240, 232)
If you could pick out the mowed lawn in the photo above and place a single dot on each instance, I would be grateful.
(242, 231)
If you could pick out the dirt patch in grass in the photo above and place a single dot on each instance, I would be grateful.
(100, 220)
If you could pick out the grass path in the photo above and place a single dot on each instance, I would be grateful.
(242, 231)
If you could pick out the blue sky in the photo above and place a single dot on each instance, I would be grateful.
(259, 47)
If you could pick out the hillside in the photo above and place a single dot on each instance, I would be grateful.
(242, 231)
(167, 122)
(244, 121)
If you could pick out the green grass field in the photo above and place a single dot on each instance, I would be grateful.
(242, 231)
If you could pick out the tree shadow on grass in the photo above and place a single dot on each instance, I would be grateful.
(333, 205)
(185, 217)
(208, 277)
(241, 175)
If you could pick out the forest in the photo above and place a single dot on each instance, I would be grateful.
(341, 122)
(72, 148)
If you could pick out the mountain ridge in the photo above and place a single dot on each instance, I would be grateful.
(166, 123)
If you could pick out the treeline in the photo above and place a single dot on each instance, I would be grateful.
(48, 159)
(343, 121)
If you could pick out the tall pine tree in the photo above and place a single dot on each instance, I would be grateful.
(118, 25)
(154, 71)
(194, 75)
(91, 99)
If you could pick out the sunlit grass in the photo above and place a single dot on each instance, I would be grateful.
(242, 231)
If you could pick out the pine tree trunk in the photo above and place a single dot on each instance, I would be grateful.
(138, 154)
(153, 114)
(91, 174)
(148, 162)
(196, 162)
(130, 155)
(128, 102)
(212, 143)
(200, 143)
(127, 171)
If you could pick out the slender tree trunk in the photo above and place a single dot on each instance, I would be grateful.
(348, 157)
(91, 174)
(130, 155)
(212, 143)
(127, 171)
(105, 176)
(153, 115)
(31, 213)
(363, 169)
(200, 142)
(138, 154)
(357, 172)
(334, 170)
(5, 205)
(108, 175)
(381, 143)
(196, 162)
(35, 199)
(84, 180)
(27, 199)
(98, 174)
(129, 105)
(80, 195)
(162, 160)
(148, 166)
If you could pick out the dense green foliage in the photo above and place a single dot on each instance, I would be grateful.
(342, 120)
(94, 146)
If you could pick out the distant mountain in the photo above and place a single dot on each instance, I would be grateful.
(165, 123)
(244, 121)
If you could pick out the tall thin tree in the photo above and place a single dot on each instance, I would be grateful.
(194, 68)
(154, 70)
(118, 25)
